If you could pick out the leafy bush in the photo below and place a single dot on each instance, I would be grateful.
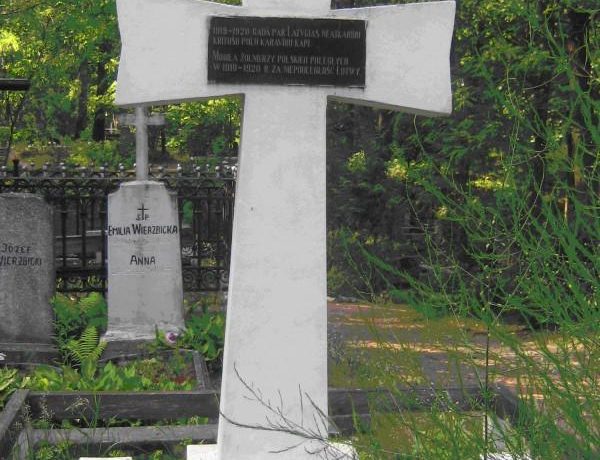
(543, 267)
(86, 349)
(144, 375)
(73, 315)
(204, 332)
(207, 128)
(354, 262)
(9, 382)
(47, 451)
(97, 153)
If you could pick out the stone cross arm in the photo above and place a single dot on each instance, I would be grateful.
(165, 51)
(141, 121)
(130, 119)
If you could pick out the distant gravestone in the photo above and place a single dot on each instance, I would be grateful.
(145, 285)
(156, 124)
(27, 278)
(287, 57)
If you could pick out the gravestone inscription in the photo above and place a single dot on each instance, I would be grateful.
(287, 50)
(27, 277)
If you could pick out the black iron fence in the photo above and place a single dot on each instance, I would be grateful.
(79, 198)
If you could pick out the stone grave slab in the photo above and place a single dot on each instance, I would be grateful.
(288, 58)
(145, 290)
(27, 278)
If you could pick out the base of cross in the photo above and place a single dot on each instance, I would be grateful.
(210, 452)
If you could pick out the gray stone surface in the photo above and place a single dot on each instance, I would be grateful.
(27, 276)
(145, 286)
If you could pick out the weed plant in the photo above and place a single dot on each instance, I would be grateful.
(517, 253)
(79, 321)
(68, 451)
(75, 317)
(529, 262)
(533, 262)
(204, 332)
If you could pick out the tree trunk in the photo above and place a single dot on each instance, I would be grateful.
(580, 151)
(102, 86)
(82, 101)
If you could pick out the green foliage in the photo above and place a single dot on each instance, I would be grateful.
(74, 315)
(73, 85)
(188, 212)
(86, 153)
(504, 195)
(47, 451)
(204, 332)
(84, 353)
(543, 267)
(356, 267)
(357, 163)
(84, 372)
(69, 77)
(86, 349)
(208, 128)
(137, 376)
(79, 321)
(171, 372)
(9, 382)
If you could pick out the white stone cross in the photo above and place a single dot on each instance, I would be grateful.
(141, 121)
(275, 363)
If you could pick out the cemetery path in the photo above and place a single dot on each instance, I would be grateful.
(443, 352)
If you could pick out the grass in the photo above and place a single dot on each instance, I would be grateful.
(411, 435)
(556, 373)
(66, 451)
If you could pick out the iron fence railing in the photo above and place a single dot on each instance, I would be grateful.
(79, 198)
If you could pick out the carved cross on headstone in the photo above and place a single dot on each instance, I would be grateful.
(275, 363)
(143, 214)
(141, 121)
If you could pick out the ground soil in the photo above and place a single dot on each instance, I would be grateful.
(440, 352)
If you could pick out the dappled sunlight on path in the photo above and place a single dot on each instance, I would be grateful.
(450, 351)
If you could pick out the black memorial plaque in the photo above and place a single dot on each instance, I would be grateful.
(287, 51)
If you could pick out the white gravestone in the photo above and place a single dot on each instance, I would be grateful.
(145, 291)
(275, 363)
